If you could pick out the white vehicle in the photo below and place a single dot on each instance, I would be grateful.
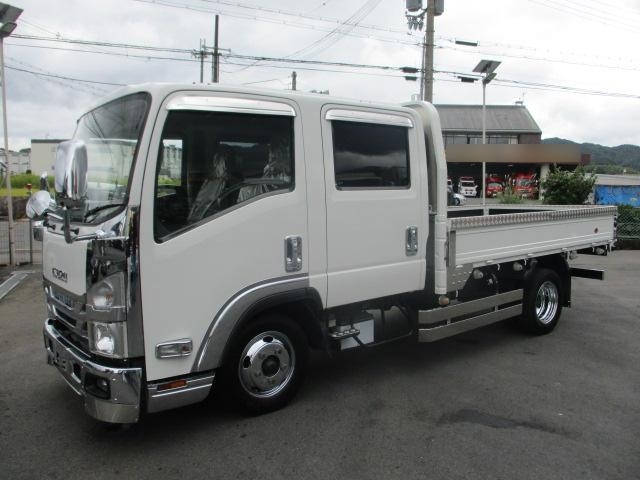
(467, 187)
(209, 231)
(454, 198)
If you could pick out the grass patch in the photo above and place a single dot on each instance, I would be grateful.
(17, 192)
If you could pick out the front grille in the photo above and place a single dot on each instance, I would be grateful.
(78, 341)
(71, 322)
(66, 300)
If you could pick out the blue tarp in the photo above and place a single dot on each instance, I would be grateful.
(618, 195)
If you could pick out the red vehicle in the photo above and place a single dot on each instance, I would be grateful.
(494, 185)
(525, 184)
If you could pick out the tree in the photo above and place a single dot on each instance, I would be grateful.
(562, 187)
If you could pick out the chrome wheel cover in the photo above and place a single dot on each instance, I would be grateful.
(547, 302)
(267, 364)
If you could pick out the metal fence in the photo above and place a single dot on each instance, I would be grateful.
(629, 223)
(28, 250)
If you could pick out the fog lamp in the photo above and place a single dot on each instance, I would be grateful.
(103, 339)
(107, 339)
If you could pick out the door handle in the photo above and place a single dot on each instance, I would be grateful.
(411, 244)
(292, 253)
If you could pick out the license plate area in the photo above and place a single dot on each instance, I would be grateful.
(70, 369)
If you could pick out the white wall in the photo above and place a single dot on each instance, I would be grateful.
(19, 161)
(43, 156)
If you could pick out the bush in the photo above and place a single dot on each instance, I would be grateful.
(20, 180)
(562, 187)
(507, 196)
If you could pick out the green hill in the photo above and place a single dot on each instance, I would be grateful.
(622, 156)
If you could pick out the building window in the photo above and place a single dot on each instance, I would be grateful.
(455, 140)
(369, 155)
(494, 139)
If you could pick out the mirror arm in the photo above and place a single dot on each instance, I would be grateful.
(97, 235)
(66, 213)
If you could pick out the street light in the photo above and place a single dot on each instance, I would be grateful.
(8, 17)
(487, 69)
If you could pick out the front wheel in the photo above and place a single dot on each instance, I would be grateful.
(267, 363)
(542, 303)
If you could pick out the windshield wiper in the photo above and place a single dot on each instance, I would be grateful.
(102, 207)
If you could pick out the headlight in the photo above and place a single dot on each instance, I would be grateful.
(107, 339)
(107, 293)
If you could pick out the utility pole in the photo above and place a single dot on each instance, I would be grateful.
(8, 17)
(294, 76)
(201, 54)
(415, 19)
(215, 60)
(429, 37)
(12, 251)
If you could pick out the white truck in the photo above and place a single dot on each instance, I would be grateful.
(205, 233)
(467, 187)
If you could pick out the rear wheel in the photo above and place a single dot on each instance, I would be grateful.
(542, 304)
(267, 363)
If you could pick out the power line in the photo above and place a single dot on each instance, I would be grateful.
(262, 18)
(62, 77)
(618, 6)
(189, 51)
(584, 15)
(116, 54)
(344, 28)
(307, 16)
(103, 44)
(373, 74)
(540, 59)
(94, 89)
(539, 85)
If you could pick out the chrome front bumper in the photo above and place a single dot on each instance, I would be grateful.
(120, 404)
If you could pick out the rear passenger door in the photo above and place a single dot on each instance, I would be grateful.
(375, 230)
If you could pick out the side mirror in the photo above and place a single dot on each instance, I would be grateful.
(39, 203)
(71, 171)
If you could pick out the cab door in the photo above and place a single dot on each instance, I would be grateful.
(224, 190)
(376, 233)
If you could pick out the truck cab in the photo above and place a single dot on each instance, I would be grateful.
(495, 186)
(525, 185)
(217, 233)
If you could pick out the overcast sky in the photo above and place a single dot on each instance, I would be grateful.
(589, 44)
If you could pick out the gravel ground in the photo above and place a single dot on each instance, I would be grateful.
(491, 403)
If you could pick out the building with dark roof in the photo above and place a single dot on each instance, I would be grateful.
(506, 124)
(513, 143)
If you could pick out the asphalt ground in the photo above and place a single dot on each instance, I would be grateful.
(492, 403)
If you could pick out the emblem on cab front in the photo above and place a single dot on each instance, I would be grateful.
(59, 274)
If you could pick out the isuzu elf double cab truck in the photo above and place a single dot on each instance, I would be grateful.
(204, 238)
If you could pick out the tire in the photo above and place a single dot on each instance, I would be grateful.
(266, 364)
(542, 304)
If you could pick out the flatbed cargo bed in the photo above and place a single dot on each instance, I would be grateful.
(509, 233)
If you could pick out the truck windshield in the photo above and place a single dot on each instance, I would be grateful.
(111, 134)
(524, 182)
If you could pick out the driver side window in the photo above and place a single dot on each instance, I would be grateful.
(212, 162)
